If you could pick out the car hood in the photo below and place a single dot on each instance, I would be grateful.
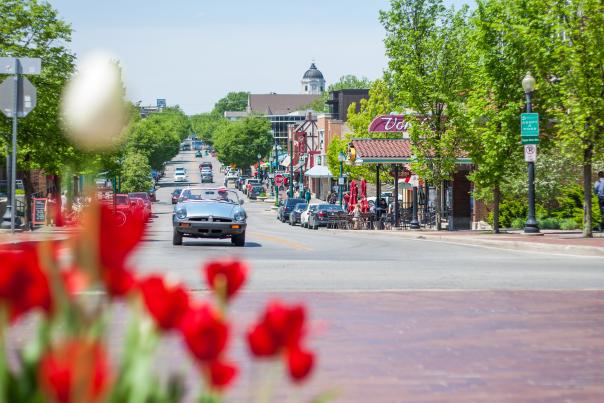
(204, 209)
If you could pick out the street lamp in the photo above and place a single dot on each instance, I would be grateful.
(341, 158)
(531, 226)
(258, 169)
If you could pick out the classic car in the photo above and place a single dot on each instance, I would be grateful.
(209, 213)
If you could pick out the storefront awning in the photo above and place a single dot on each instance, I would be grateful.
(318, 171)
(390, 151)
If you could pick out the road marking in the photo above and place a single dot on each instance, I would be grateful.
(281, 241)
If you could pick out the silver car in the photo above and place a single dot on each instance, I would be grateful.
(209, 213)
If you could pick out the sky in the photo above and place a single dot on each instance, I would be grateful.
(193, 52)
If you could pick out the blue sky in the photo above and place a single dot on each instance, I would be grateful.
(193, 52)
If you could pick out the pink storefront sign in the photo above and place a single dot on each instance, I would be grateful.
(389, 124)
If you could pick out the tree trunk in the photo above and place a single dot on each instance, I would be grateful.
(58, 219)
(496, 201)
(587, 216)
(439, 187)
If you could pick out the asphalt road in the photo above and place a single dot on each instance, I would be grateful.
(292, 258)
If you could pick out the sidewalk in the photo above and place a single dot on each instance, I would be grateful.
(43, 233)
(552, 241)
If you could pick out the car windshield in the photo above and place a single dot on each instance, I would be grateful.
(121, 199)
(180, 170)
(197, 194)
(301, 206)
(176, 192)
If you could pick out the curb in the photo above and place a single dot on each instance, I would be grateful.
(575, 250)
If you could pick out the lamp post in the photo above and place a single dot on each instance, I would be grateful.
(531, 226)
(341, 158)
(302, 165)
(258, 170)
(291, 167)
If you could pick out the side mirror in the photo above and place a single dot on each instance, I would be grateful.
(241, 202)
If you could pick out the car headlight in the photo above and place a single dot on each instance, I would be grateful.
(240, 216)
(181, 213)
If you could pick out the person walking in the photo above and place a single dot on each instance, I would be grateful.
(599, 191)
(307, 196)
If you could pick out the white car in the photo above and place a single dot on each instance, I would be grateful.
(304, 215)
(180, 175)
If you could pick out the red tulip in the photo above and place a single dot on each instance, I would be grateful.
(167, 305)
(116, 243)
(280, 331)
(299, 363)
(204, 333)
(221, 374)
(23, 283)
(233, 272)
(77, 371)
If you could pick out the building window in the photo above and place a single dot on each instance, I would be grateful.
(306, 88)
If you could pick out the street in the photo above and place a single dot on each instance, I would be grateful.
(410, 320)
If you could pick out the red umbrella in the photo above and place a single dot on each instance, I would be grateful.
(363, 188)
(353, 195)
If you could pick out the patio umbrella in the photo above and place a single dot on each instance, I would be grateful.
(353, 195)
(363, 188)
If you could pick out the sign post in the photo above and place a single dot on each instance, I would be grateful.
(23, 96)
(530, 153)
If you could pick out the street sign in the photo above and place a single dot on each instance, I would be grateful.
(27, 65)
(529, 125)
(341, 181)
(279, 179)
(530, 140)
(27, 99)
(161, 103)
(530, 153)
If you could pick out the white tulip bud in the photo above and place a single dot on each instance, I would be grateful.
(93, 109)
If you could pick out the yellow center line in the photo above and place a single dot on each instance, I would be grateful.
(281, 241)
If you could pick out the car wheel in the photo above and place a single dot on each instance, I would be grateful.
(176, 238)
(238, 240)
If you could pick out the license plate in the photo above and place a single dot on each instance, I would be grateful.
(184, 225)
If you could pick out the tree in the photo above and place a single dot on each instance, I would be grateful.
(233, 101)
(496, 99)
(572, 82)
(29, 28)
(240, 142)
(136, 176)
(205, 124)
(428, 71)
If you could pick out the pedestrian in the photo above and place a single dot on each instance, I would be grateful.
(50, 210)
(356, 216)
(346, 200)
(307, 196)
(599, 191)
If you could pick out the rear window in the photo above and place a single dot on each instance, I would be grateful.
(140, 195)
(121, 199)
(301, 206)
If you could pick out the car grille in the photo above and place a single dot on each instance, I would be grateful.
(214, 219)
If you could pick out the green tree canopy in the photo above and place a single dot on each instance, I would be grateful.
(233, 101)
(240, 142)
(136, 175)
(205, 124)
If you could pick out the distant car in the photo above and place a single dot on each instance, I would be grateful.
(180, 175)
(185, 147)
(144, 196)
(286, 207)
(310, 209)
(138, 207)
(207, 177)
(175, 195)
(294, 216)
(255, 191)
(152, 195)
(249, 183)
(205, 164)
(326, 214)
(198, 154)
(209, 213)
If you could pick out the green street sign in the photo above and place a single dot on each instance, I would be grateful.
(529, 125)
(530, 140)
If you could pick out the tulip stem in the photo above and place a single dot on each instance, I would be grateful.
(268, 384)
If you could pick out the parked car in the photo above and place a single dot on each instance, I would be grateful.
(294, 216)
(207, 177)
(326, 214)
(249, 183)
(180, 174)
(146, 200)
(310, 209)
(239, 183)
(255, 191)
(209, 213)
(152, 195)
(286, 207)
(175, 195)
(138, 206)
